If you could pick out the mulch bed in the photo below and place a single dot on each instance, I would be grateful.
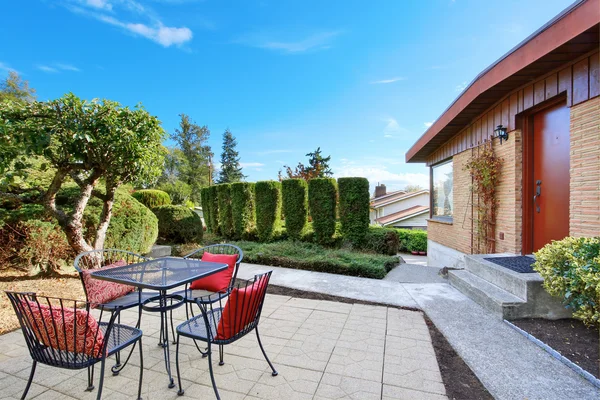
(570, 337)
(460, 382)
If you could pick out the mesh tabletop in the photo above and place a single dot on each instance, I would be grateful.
(161, 273)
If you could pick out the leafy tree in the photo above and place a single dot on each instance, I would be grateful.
(16, 89)
(318, 167)
(97, 144)
(192, 141)
(412, 188)
(174, 163)
(231, 171)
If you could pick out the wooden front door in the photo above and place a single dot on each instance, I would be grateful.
(550, 183)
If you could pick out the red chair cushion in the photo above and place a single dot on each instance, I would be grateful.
(99, 291)
(220, 281)
(64, 329)
(240, 310)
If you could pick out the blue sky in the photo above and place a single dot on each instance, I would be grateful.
(360, 79)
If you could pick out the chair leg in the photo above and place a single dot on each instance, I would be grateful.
(99, 396)
(212, 374)
(274, 373)
(141, 370)
(90, 379)
(180, 392)
(172, 328)
(30, 380)
(221, 355)
(205, 352)
(117, 367)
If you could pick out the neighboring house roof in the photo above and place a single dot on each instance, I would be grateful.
(402, 215)
(397, 192)
(571, 34)
(394, 198)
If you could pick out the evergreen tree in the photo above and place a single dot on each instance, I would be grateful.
(16, 89)
(318, 167)
(231, 171)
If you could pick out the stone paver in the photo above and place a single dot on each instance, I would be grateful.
(321, 349)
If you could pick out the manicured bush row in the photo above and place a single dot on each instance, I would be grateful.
(354, 208)
(152, 198)
(322, 199)
(295, 206)
(412, 240)
(268, 209)
(225, 218)
(204, 205)
(380, 240)
(213, 209)
(178, 224)
(242, 209)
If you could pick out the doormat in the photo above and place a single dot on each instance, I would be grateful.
(521, 264)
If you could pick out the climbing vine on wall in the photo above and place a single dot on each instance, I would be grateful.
(484, 168)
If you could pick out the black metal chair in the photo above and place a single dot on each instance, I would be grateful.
(227, 318)
(94, 259)
(63, 333)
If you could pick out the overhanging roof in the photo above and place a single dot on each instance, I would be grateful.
(569, 35)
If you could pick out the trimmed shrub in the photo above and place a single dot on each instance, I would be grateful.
(178, 224)
(571, 270)
(152, 198)
(322, 196)
(417, 240)
(295, 206)
(225, 219)
(354, 208)
(268, 209)
(179, 191)
(242, 209)
(204, 205)
(381, 240)
(213, 209)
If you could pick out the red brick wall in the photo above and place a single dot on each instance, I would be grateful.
(585, 169)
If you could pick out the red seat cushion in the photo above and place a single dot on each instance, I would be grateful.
(241, 309)
(220, 281)
(64, 329)
(101, 292)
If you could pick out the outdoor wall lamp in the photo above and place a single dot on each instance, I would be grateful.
(501, 132)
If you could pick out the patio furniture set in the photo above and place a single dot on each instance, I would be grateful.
(75, 334)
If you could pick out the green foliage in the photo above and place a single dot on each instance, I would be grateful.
(231, 170)
(571, 270)
(295, 206)
(308, 256)
(16, 89)
(318, 167)
(204, 205)
(225, 217)
(268, 209)
(354, 208)
(242, 209)
(213, 209)
(322, 199)
(412, 240)
(178, 191)
(380, 240)
(152, 198)
(178, 224)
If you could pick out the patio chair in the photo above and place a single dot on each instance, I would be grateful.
(220, 282)
(227, 318)
(63, 333)
(109, 295)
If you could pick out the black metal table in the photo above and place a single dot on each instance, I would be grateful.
(161, 274)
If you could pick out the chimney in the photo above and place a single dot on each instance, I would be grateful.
(380, 190)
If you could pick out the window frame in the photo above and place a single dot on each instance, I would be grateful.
(440, 218)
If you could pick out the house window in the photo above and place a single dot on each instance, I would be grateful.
(442, 189)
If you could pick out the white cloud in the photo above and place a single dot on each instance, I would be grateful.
(315, 41)
(67, 67)
(428, 124)
(100, 4)
(47, 68)
(392, 128)
(251, 164)
(461, 87)
(391, 80)
(57, 67)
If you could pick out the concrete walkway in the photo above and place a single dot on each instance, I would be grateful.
(508, 364)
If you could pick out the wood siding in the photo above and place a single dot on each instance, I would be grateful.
(580, 81)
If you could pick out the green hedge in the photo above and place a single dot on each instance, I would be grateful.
(295, 206)
(354, 208)
(213, 209)
(268, 209)
(322, 198)
(225, 218)
(412, 240)
(152, 198)
(178, 224)
(381, 240)
(242, 209)
(204, 205)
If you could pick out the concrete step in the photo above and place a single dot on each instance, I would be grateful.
(159, 251)
(489, 296)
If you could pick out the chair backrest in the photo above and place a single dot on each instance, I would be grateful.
(61, 332)
(220, 249)
(238, 313)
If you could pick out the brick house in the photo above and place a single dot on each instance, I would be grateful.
(546, 93)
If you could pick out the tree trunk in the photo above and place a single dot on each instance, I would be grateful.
(109, 200)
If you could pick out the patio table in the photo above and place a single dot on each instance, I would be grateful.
(161, 274)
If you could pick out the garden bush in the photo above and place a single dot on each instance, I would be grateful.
(571, 270)
(417, 240)
(354, 208)
(380, 240)
(268, 209)
(295, 206)
(225, 219)
(204, 205)
(242, 209)
(152, 198)
(178, 191)
(178, 224)
(213, 209)
(322, 198)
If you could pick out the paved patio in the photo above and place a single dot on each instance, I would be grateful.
(322, 350)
